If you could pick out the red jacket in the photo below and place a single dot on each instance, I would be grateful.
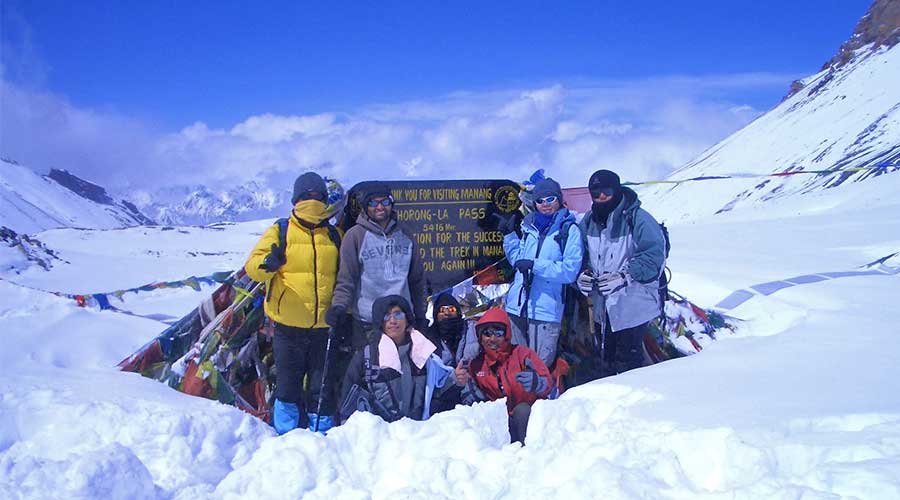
(496, 375)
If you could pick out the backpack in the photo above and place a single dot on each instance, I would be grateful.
(563, 235)
(663, 278)
(283, 223)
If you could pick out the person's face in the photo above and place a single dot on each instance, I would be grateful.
(547, 205)
(394, 325)
(379, 208)
(493, 337)
(447, 312)
(602, 195)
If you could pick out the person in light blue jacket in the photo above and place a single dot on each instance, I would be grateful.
(547, 254)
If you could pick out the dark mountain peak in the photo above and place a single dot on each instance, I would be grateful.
(80, 186)
(879, 27)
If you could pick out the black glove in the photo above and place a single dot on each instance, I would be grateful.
(524, 266)
(336, 315)
(507, 224)
(274, 260)
(531, 381)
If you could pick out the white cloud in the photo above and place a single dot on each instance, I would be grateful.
(643, 129)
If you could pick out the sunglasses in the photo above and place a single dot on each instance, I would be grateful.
(448, 310)
(384, 202)
(545, 200)
(396, 316)
(606, 191)
(493, 331)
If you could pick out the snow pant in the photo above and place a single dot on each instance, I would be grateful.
(518, 423)
(624, 349)
(299, 353)
(541, 336)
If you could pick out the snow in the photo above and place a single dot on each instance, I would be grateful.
(801, 402)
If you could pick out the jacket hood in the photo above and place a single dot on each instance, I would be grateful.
(495, 315)
(370, 225)
(384, 304)
(630, 201)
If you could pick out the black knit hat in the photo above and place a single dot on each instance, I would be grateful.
(547, 187)
(382, 305)
(604, 179)
(373, 189)
(307, 183)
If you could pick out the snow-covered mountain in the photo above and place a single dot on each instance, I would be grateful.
(845, 116)
(30, 202)
(200, 205)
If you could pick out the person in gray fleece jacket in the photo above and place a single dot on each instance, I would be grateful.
(379, 257)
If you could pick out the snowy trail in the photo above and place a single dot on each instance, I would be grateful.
(802, 402)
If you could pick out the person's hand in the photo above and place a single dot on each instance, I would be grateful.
(507, 224)
(462, 374)
(585, 282)
(524, 266)
(608, 283)
(274, 260)
(531, 381)
(336, 315)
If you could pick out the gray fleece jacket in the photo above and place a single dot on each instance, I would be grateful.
(376, 262)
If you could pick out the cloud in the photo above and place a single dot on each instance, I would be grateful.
(644, 129)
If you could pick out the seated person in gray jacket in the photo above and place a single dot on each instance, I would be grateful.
(396, 374)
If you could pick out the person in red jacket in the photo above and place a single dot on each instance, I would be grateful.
(502, 369)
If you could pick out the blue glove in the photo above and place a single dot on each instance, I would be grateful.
(530, 380)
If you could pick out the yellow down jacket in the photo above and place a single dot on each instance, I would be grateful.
(300, 291)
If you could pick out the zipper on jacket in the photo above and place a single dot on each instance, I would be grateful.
(278, 307)
(537, 253)
(312, 235)
(496, 370)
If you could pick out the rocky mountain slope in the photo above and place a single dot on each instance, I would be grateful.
(843, 123)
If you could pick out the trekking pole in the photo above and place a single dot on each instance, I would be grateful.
(527, 280)
(596, 293)
(324, 378)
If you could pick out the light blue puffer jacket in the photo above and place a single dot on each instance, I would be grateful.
(553, 269)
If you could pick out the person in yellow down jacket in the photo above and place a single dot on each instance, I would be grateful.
(301, 272)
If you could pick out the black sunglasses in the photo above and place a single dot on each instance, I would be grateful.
(606, 191)
(385, 202)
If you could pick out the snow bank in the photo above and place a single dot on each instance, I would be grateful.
(801, 403)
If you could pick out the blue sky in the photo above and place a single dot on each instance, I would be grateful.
(155, 68)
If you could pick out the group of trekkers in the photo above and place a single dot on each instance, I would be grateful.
(349, 310)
